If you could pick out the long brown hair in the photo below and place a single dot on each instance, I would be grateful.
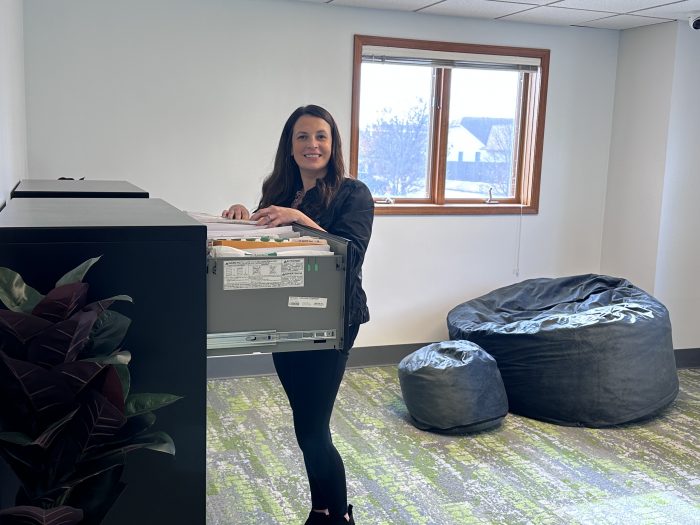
(280, 186)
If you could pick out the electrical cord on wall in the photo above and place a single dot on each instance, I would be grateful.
(516, 264)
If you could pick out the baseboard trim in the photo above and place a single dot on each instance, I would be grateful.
(260, 364)
(381, 355)
(221, 367)
(687, 357)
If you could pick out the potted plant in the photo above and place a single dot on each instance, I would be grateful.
(67, 416)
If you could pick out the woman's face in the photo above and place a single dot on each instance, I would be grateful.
(312, 145)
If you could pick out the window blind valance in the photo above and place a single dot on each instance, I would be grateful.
(447, 59)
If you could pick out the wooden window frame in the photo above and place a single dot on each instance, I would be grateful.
(529, 129)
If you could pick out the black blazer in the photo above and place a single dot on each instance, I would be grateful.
(350, 215)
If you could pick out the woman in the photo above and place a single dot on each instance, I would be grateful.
(308, 186)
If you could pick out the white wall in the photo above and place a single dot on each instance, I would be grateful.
(653, 183)
(678, 256)
(186, 98)
(638, 154)
(13, 137)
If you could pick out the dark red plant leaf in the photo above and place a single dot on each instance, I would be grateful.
(28, 458)
(11, 346)
(38, 395)
(82, 376)
(26, 461)
(101, 420)
(96, 421)
(78, 374)
(109, 384)
(22, 326)
(47, 437)
(62, 302)
(62, 342)
(26, 515)
(134, 426)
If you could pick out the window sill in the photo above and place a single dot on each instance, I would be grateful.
(454, 209)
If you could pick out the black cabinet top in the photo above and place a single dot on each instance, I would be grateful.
(96, 219)
(31, 188)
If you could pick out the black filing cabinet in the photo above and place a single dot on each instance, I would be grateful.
(156, 254)
(44, 188)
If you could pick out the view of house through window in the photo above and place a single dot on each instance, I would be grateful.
(481, 139)
(448, 128)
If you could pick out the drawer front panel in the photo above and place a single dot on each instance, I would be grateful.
(289, 303)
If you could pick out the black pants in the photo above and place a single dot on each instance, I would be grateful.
(311, 380)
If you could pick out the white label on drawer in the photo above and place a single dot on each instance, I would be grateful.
(307, 302)
(241, 274)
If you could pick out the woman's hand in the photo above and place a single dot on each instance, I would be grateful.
(277, 216)
(237, 211)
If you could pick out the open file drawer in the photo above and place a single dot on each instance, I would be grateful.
(277, 303)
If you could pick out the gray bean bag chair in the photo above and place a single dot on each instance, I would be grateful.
(452, 387)
(589, 350)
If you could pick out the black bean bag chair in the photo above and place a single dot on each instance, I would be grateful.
(589, 350)
(452, 387)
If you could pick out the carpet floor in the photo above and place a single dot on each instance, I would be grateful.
(523, 472)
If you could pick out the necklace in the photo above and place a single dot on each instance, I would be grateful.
(297, 199)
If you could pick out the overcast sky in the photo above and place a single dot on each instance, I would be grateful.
(475, 93)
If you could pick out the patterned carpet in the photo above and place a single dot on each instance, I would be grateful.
(524, 472)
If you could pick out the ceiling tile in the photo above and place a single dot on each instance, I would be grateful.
(529, 2)
(624, 22)
(397, 5)
(590, 13)
(475, 8)
(611, 6)
(554, 16)
(677, 11)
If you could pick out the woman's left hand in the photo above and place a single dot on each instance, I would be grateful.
(276, 216)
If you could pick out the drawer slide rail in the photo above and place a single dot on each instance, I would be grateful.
(265, 338)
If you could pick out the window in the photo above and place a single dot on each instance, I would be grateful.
(441, 128)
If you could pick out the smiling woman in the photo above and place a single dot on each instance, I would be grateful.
(308, 186)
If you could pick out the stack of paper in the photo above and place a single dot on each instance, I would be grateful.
(208, 218)
(266, 245)
(241, 238)
(222, 228)
(279, 232)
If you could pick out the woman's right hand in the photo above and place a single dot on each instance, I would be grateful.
(237, 211)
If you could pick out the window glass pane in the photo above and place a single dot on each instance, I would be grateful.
(481, 139)
(394, 130)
